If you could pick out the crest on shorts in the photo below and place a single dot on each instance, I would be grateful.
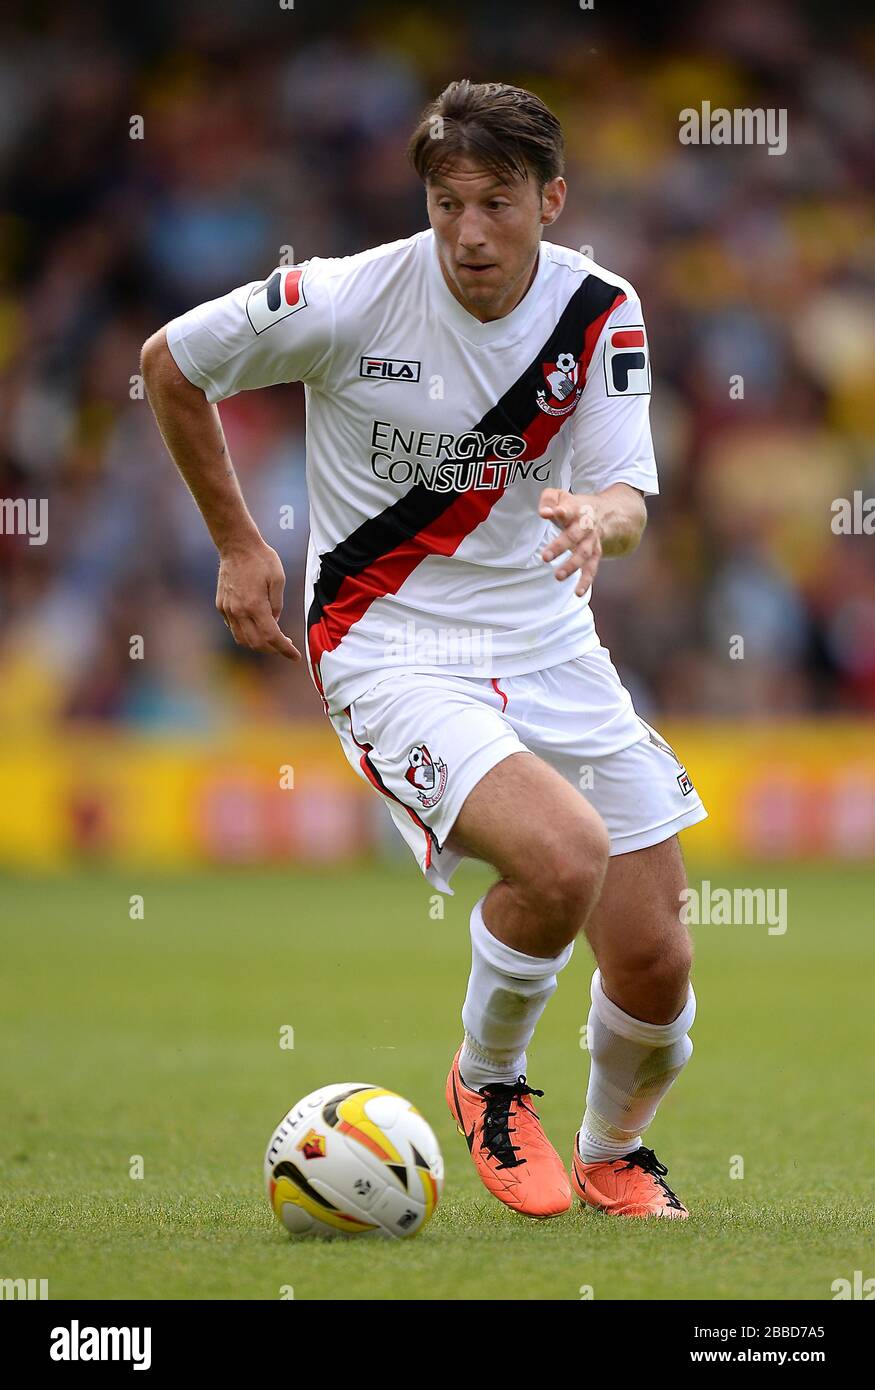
(563, 382)
(427, 774)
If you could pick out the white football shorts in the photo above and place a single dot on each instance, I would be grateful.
(423, 740)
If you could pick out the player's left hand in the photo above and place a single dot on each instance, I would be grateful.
(579, 518)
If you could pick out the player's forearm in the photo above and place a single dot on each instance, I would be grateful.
(622, 515)
(191, 429)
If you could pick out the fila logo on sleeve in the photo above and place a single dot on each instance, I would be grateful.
(627, 362)
(281, 295)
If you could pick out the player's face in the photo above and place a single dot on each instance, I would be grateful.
(487, 234)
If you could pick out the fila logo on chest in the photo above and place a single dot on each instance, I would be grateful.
(390, 368)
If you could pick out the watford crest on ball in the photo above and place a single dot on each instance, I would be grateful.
(312, 1145)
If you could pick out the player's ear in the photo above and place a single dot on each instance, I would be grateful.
(553, 196)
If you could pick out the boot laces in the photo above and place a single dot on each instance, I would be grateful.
(646, 1159)
(497, 1127)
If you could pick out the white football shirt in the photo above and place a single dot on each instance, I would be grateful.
(430, 437)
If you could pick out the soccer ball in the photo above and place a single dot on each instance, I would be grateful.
(353, 1160)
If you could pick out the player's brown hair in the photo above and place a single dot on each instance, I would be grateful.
(508, 130)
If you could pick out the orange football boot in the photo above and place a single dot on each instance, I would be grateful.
(630, 1186)
(513, 1156)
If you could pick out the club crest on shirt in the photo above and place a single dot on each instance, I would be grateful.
(427, 774)
(564, 388)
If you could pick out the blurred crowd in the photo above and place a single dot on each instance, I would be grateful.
(155, 156)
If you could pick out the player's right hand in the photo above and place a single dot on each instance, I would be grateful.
(249, 596)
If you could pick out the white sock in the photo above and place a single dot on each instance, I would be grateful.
(633, 1065)
(507, 993)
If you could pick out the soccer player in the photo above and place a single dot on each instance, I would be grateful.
(477, 441)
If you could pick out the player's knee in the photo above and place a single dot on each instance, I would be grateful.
(663, 967)
(586, 853)
(565, 873)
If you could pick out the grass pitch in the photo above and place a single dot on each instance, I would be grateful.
(160, 1038)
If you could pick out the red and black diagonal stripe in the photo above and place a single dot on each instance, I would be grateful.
(380, 554)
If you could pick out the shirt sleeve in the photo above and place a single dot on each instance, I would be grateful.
(270, 331)
(611, 425)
